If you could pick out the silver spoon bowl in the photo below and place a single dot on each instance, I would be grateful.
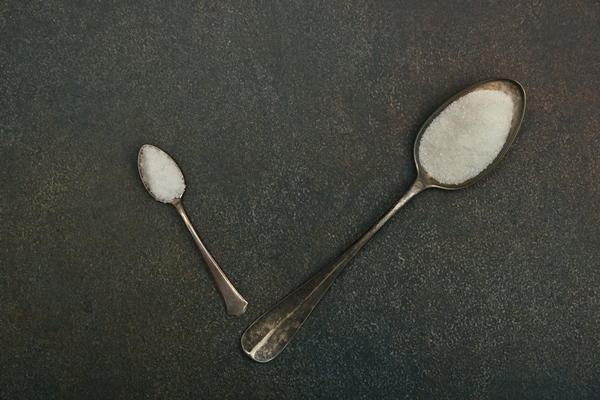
(234, 302)
(266, 338)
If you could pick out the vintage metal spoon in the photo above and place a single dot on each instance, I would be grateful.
(164, 181)
(270, 334)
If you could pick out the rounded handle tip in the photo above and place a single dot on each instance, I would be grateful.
(237, 307)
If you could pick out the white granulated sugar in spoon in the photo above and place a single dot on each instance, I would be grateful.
(467, 136)
(161, 175)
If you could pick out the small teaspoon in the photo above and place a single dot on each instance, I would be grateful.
(169, 192)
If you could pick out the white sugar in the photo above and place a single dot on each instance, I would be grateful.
(160, 174)
(467, 136)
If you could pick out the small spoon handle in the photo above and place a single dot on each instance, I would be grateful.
(234, 302)
(271, 333)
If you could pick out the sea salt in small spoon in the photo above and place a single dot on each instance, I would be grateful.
(460, 143)
(164, 181)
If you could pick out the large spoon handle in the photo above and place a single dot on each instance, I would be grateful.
(234, 302)
(266, 338)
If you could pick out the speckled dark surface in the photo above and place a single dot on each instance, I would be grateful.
(293, 123)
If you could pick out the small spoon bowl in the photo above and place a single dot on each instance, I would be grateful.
(266, 338)
(151, 176)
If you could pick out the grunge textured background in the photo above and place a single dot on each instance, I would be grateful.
(293, 123)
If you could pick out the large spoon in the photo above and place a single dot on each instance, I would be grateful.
(266, 338)
(164, 181)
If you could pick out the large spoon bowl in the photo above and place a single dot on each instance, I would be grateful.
(507, 86)
(266, 338)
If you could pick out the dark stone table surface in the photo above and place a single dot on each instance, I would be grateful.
(293, 123)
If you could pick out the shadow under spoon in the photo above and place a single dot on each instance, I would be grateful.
(442, 162)
(163, 179)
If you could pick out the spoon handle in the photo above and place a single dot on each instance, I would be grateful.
(234, 302)
(266, 338)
